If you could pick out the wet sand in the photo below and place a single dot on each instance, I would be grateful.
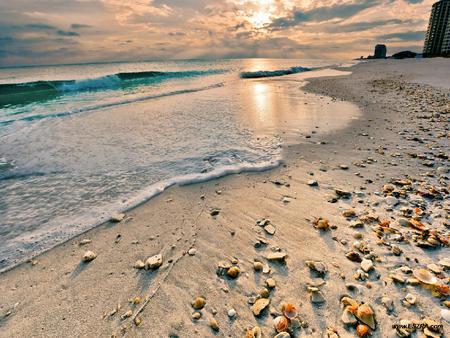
(384, 167)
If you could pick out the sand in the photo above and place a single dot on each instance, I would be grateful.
(56, 295)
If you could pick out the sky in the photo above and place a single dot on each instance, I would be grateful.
(76, 31)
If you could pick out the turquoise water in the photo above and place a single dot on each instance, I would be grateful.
(80, 142)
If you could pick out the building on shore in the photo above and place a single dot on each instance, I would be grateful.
(437, 39)
(380, 52)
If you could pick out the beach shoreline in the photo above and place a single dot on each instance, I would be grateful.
(56, 292)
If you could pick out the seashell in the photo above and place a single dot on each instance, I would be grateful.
(281, 323)
(254, 332)
(425, 276)
(322, 224)
(348, 318)
(233, 272)
(289, 310)
(89, 256)
(366, 315)
(362, 330)
(199, 303)
(260, 305)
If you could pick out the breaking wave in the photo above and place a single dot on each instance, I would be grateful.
(22, 93)
(271, 73)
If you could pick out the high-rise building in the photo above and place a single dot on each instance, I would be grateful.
(437, 40)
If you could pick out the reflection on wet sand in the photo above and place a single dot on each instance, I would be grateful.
(280, 105)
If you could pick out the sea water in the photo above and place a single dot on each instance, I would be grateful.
(81, 142)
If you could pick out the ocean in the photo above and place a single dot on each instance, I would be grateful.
(79, 143)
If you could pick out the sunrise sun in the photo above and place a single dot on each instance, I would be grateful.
(262, 13)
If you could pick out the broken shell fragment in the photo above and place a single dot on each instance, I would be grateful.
(425, 276)
(281, 323)
(260, 305)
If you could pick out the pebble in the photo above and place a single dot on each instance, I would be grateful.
(316, 296)
(214, 324)
(283, 335)
(270, 229)
(312, 183)
(196, 315)
(388, 303)
(85, 241)
(258, 266)
(276, 256)
(231, 313)
(89, 256)
(410, 299)
(199, 303)
(116, 218)
(233, 272)
(391, 201)
(139, 264)
(271, 283)
(154, 262)
(366, 265)
(192, 251)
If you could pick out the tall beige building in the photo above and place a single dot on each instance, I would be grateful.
(437, 39)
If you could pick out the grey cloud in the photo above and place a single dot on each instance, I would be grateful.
(67, 33)
(79, 26)
(404, 36)
(341, 11)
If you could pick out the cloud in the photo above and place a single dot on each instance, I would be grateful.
(404, 36)
(64, 31)
(79, 26)
(324, 13)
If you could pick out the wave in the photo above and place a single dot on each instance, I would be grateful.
(271, 73)
(27, 92)
(46, 239)
(107, 105)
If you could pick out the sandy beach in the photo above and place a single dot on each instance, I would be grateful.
(355, 221)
